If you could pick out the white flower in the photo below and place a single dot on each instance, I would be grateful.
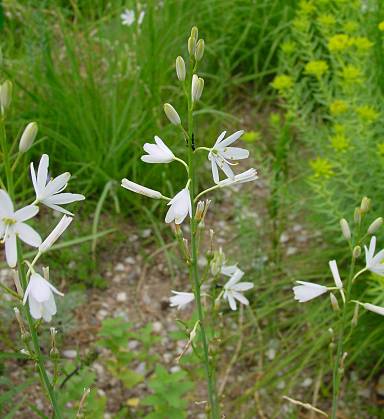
(141, 17)
(248, 176)
(157, 153)
(374, 263)
(142, 190)
(181, 299)
(128, 17)
(56, 233)
(233, 288)
(180, 207)
(40, 298)
(307, 291)
(220, 154)
(374, 308)
(48, 191)
(336, 277)
(12, 225)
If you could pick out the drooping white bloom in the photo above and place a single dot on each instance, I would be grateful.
(181, 299)
(233, 289)
(12, 225)
(127, 17)
(40, 297)
(180, 207)
(248, 176)
(307, 291)
(55, 234)
(374, 262)
(142, 190)
(221, 153)
(49, 191)
(157, 153)
(374, 308)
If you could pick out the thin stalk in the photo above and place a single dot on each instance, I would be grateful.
(35, 339)
(337, 373)
(7, 165)
(193, 269)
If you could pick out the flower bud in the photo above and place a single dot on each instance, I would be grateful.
(197, 87)
(171, 114)
(355, 317)
(375, 225)
(356, 252)
(195, 33)
(191, 46)
(357, 215)
(28, 137)
(199, 211)
(16, 280)
(199, 52)
(334, 302)
(180, 68)
(365, 205)
(345, 229)
(5, 95)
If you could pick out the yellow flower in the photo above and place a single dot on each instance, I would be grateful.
(339, 142)
(282, 82)
(381, 26)
(339, 129)
(306, 7)
(338, 42)
(350, 26)
(362, 43)
(351, 74)
(367, 113)
(251, 136)
(380, 149)
(338, 107)
(321, 168)
(301, 24)
(288, 47)
(327, 20)
(316, 68)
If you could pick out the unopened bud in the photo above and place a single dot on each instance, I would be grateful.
(195, 32)
(345, 229)
(46, 273)
(177, 230)
(199, 211)
(191, 46)
(16, 280)
(197, 87)
(365, 205)
(28, 137)
(171, 114)
(5, 95)
(186, 249)
(180, 68)
(355, 317)
(356, 252)
(199, 52)
(334, 302)
(357, 215)
(375, 225)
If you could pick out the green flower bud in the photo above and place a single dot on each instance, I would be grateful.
(345, 229)
(180, 68)
(199, 52)
(375, 225)
(365, 205)
(171, 114)
(5, 95)
(28, 137)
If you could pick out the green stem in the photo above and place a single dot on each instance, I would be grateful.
(194, 274)
(337, 373)
(35, 340)
(7, 165)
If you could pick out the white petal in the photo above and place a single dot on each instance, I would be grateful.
(35, 308)
(6, 204)
(240, 297)
(374, 308)
(26, 213)
(335, 273)
(235, 153)
(56, 185)
(64, 198)
(231, 301)
(215, 171)
(34, 180)
(219, 138)
(27, 234)
(42, 172)
(231, 139)
(40, 289)
(11, 249)
(307, 291)
(242, 286)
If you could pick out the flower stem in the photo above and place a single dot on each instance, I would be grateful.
(337, 370)
(35, 340)
(194, 274)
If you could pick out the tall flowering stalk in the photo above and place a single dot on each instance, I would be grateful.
(186, 203)
(35, 295)
(306, 291)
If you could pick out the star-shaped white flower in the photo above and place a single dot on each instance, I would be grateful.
(12, 225)
(181, 299)
(221, 153)
(180, 207)
(374, 262)
(49, 191)
(157, 153)
(128, 17)
(40, 297)
(233, 288)
(307, 291)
